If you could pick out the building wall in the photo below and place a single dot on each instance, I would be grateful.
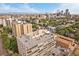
(21, 48)
(29, 28)
(4, 22)
(25, 29)
(21, 29)
(18, 30)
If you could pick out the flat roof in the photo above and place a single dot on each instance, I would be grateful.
(30, 41)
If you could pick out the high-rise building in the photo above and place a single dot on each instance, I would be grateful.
(61, 12)
(20, 28)
(67, 13)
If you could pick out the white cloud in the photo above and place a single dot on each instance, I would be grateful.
(28, 9)
(23, 8)
(74, 8)
(7, 8)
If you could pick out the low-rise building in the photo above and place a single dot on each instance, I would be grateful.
(52, 29)
(65, 42)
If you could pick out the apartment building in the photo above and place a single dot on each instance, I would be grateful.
(37, 43)
(20, 28)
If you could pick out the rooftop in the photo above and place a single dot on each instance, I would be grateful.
(35, 38)
(65, 38)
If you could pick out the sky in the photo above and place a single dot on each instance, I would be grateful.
(38, 7)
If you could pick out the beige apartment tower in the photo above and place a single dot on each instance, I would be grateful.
(20, 29)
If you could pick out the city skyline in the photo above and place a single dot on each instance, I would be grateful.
(37, 7)
(51, 34)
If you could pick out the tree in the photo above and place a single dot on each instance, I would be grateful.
(9, 43)
(1, 26)
(6, 41)
(35, 26)
(77, 36)
(13, 44)
(7, 29)
(61, 31)
(76, 25)
(70, 29)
